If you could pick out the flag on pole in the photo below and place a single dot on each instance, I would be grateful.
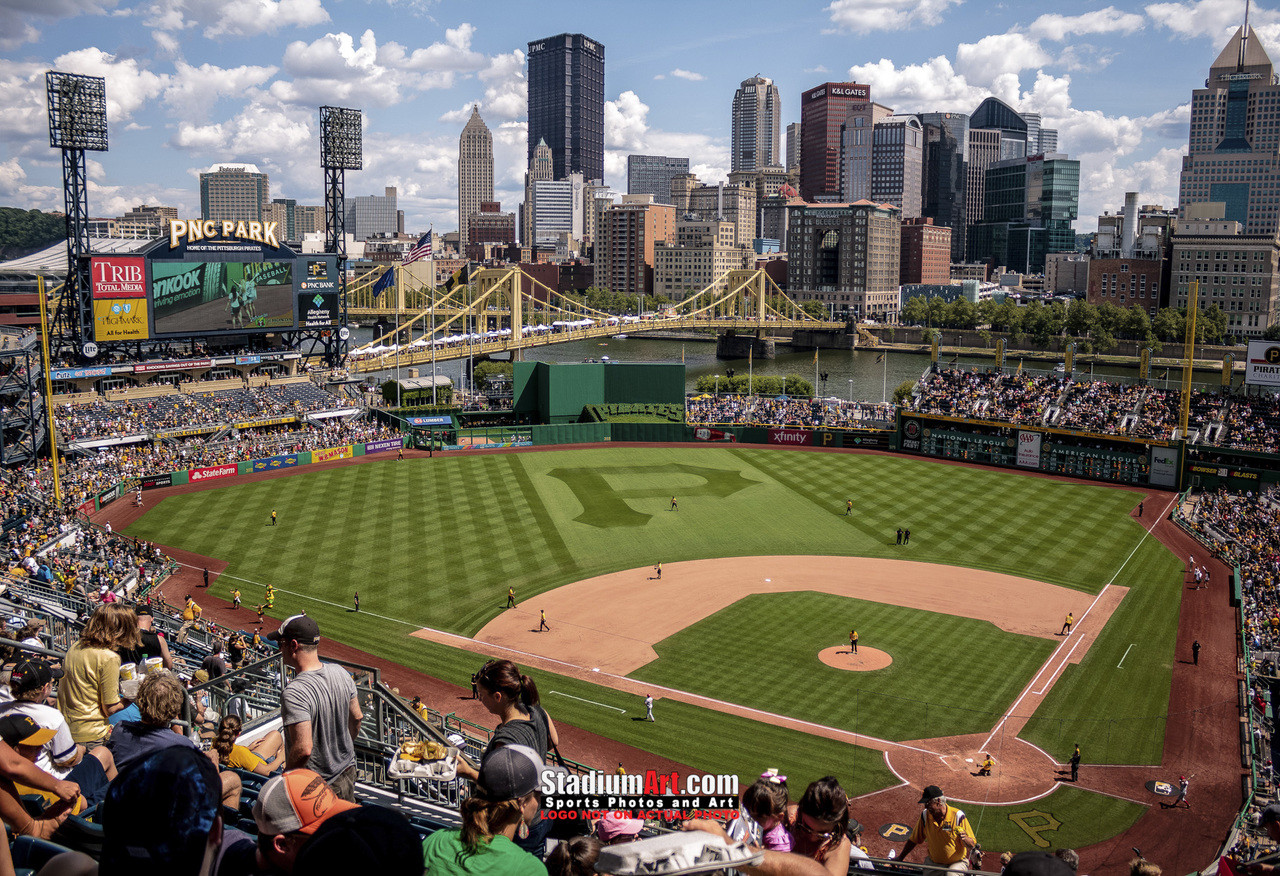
(879, 358)
(815, 355)
(384, 282)
(421, 250)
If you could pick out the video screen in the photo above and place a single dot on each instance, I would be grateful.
(202, 297)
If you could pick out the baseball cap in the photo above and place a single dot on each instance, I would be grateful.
(299, 628)
(510, 772)
(366, 839)
(613, 826)
(143, 610)
(1037, 864)
(933, 792)
(31, 674)
(1270, 814)
(19, 729)
(296, 801)
(158, 813)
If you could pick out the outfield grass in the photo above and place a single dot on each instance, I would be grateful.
(924, 693)
(436, 543)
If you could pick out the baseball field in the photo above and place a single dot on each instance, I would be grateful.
(748, 658)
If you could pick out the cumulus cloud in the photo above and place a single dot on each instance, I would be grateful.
(192, 91)
(129, 85)
(927, 87)
(687, 74)
(337, 69)
(627, 131)
(990, 57)
(1212, 19)
(16, 26)
(505, 93)
(1053, 26)
(865, 16)
(234, 18)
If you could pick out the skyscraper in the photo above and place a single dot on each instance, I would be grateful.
(897, 159)
(823, 111)
(757, 122)
(234, 191)
(566, 103)
(1234, 150)
(793, 146)
(475, 172)
(539, 169)
(946, 155)
(372, 215)
(652, 175)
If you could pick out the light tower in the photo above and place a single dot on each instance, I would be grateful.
(341, 149)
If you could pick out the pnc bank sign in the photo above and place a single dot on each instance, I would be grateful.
(191, 230)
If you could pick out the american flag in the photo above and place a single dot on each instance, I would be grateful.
(421, 249)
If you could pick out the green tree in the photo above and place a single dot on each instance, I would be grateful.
(1137, 325)
(915, 311)
(962, 314)
(1110, 318)
(1082, 318)
(987, 310)
(490, 368)
(1211, 325)
(25, 231)
(937, 311)
(1272, 333)
(903, 392)
(1169, 324)
(816, 309)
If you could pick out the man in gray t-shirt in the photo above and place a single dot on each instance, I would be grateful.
(319, 709)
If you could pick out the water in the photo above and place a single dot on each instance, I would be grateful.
(848, 371)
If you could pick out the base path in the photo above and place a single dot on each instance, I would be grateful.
(594, 622)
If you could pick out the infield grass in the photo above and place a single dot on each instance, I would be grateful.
(436, 543)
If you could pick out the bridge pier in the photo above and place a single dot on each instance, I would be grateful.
(732, 345)
(823, 339)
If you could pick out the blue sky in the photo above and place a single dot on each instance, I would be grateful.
(194, 82)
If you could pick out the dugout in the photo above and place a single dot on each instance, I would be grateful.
(555, 393)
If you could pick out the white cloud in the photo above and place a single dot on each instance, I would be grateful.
(865, 16)
(627, 131)
(15, 16)
(659, 77)
(1053, 26)
(1213, 19)
(235, 18)
(927, 87)
(193, 91)
(687, 74)
(335, 69)
(22, 94)
(990, 57)
(129, 86)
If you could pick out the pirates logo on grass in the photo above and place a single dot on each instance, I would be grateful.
(605, 492)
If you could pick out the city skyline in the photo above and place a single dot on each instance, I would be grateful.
(206, 84)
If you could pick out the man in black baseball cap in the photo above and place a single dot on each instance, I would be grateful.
(319, 708)
(944, 829)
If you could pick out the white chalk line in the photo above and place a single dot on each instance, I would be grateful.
(1126, 654)
(1054, 656)
(592, 702)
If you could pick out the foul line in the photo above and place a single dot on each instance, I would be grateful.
(1054, 656)
(593, 702)
(1126, 654)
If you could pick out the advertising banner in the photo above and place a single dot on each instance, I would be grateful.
(331, 453)
(212, 473)
(109, 495)
(1029, 449)
(151, 482)
(269, 421)
(790, 437)
(187, 433)
(1164, 467)
(702, 433)
(384, 445)
(248, 360)
(911, 434)
(117, 277)
(148, 367)
(275, 463)
(1262, 364)
(430, 421)
(119, 319)
(317, 294)
(193, 297)
(867, 440)
(79, 373)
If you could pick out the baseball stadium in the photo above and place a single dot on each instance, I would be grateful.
(1043, 597)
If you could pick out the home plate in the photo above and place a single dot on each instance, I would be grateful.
(968, 760)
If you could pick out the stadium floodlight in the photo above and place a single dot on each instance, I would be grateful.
(77, 111)
(341, 138)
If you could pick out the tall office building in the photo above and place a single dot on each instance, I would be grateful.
(793, 146)
(855, 150)
(946, 156)
(475, 172)
(997, 132)
(372, 215)
(845, 256)
(823, 111)
(1029, 207)
(540, 168)
(557, 210)
(1234, 150)
(629, 235)
(234, 191)
(566, 103)
(652, 175)
(897, 162)
(757, 120)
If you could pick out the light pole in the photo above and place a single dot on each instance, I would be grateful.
(717, 386)
(850, 392)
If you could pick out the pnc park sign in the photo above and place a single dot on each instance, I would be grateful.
(191, 230)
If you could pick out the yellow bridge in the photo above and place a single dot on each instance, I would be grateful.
(505, 310)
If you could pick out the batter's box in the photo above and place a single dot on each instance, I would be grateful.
(954, 761)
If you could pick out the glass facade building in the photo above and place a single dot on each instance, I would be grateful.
(652, 175)
(946, 156)
(566, 103)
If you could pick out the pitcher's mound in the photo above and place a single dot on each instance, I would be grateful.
(865, 660)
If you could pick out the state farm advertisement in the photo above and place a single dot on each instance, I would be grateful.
(209, 474)
(789, 437)
(117, 277)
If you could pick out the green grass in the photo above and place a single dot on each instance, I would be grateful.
(1069, 818)
(436, 543)
(922, 694)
